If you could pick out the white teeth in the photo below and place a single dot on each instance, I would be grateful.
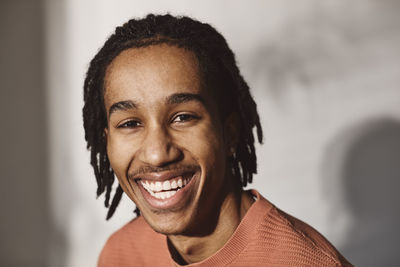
(158, 186)
(146, 186)
(165, 189)
(179, 183)
(163, 194)
(166, 185)
(173, 184)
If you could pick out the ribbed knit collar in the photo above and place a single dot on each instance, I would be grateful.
(241, 237)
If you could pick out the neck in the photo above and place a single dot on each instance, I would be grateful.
(190, 249)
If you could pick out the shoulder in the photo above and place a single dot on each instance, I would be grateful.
(131, 243)
(295, 242)
(129, 235)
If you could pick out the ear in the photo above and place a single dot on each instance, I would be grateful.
(231, 133)
(105, 134)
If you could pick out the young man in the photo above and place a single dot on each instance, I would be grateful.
(168, 113)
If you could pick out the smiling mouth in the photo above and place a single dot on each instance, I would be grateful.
(165, 189)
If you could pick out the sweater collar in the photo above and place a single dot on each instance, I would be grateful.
(242, 235)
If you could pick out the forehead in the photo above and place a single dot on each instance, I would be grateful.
(152, 72)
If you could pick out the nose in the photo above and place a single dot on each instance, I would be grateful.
(158, 149)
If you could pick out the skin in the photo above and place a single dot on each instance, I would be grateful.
(153, 130)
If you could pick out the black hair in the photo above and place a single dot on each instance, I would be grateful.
(218, 69)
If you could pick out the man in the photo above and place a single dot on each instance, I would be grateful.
(168, 113)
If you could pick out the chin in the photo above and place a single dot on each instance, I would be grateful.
(168, 224)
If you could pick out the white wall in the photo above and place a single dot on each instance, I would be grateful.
(322, 72)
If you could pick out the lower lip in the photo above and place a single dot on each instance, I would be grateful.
(172, 202)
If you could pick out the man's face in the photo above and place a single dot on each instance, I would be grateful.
(165, 139)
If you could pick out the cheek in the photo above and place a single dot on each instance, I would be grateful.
(206, 146)
(119, 153)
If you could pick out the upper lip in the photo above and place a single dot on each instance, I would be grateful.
(161, 176)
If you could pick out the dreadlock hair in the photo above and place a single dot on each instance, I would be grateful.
(218, 70)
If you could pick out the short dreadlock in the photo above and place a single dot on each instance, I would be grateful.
(218, 70)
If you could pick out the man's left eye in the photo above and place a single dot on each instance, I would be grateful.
(184, 118)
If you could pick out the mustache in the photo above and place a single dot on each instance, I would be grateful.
(152, 169)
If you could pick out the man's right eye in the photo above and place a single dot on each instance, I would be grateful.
(129, 124)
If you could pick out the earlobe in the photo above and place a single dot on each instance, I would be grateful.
(105, 134)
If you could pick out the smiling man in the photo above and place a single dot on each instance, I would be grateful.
(168, 113)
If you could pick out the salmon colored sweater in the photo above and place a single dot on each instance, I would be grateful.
(265, 237)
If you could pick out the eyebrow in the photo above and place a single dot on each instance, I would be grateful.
(184, 97)
(121, 105)
(172, 99)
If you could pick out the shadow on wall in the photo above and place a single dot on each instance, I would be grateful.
(363, 167)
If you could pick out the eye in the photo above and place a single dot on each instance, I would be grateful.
(181, 118)
(129, 124)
